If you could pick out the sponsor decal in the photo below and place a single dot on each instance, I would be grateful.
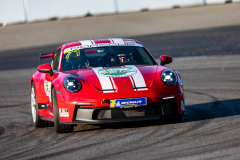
(128, 103)
(117, 72)
(63, 112)
(68, 53)
(106, 77)
(103, 101)
(107, 83)
(47, 89)
(67, 50)
(50, 108)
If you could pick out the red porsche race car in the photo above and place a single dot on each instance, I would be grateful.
(104, 81)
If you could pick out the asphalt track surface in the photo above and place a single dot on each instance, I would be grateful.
(210, 129)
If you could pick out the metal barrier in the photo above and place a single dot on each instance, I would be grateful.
(19, 11)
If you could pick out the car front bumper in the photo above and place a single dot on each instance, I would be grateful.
(90, 115)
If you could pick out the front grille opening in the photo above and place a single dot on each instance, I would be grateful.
(121, 113)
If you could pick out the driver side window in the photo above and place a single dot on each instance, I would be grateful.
(56, 59)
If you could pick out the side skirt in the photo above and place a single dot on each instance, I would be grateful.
(47, 118)
(50, 119)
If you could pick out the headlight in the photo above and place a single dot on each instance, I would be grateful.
(72, 84)
(169, 77)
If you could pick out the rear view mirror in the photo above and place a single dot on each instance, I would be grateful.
(165, 59)
(45, 68)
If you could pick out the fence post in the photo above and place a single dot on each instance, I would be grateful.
(205, 2)
(25, 8)
(116, 6)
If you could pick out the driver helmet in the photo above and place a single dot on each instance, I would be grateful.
(122, 58)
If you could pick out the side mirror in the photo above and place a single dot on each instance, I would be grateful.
(45, 68)
(165, 59)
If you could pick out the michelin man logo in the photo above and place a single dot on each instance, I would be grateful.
(47, 89)
(118, 103)
(117, 72)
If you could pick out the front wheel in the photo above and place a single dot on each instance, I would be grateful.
(59, 128)
(37, 122)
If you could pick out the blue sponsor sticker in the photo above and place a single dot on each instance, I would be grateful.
(128, 103)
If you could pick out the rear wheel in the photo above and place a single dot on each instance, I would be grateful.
(59, 128)
(34, 107)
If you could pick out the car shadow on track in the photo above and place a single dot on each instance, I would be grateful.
(212, 110)
(196, 112)
(1, 130)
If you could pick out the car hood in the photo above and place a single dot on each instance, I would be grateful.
(120, 78)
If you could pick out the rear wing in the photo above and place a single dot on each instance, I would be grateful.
(46, 55)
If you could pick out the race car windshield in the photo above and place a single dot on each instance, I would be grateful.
(108, 56)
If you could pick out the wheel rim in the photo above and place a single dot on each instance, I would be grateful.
(33, 104)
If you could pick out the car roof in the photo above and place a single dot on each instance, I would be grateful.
(109, 41)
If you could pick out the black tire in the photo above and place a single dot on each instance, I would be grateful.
(177, 119)
(59, 128)
(47, 123)
(37, 122)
